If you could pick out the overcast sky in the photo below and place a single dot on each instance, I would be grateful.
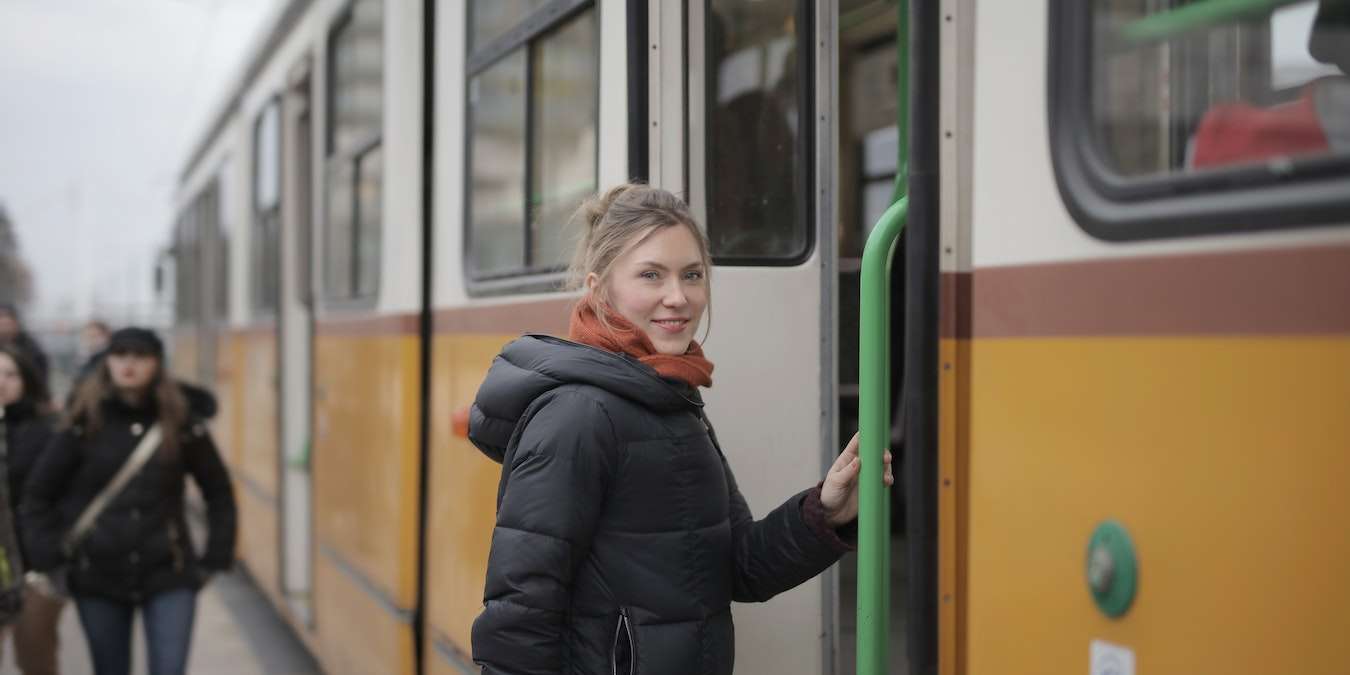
(99, 102)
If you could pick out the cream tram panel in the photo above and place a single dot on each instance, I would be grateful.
(1014, 222)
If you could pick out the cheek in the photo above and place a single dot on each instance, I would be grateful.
(632, 303)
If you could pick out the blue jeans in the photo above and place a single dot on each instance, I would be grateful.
(167, 618)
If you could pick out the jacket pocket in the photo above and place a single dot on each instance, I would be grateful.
(623, 656)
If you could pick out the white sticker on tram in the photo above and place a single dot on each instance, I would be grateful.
(1109, 659)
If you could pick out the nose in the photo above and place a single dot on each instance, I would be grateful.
(674, 296)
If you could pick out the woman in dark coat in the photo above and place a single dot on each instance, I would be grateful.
(621, 537)
(138, 554)
(13, 333)
(27, 425)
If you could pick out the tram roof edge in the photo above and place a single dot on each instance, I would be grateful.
(263, 46)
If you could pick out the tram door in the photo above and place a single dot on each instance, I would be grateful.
(740, 142)
(297, 348)
(868, 151)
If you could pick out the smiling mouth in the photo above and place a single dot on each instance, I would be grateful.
(671, 325)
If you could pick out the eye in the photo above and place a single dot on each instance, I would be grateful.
(693, 275)
(650, 275)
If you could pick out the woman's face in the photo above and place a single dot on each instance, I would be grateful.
(132, 371)
(11, 381)
(9, 326)
(661, 287)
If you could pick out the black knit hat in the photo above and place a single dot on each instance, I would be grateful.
(136, 341)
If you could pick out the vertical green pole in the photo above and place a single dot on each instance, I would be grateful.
(874, 406)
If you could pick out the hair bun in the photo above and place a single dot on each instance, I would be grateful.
(593, 210)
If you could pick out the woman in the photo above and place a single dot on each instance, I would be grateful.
(13, 333)
(621, 536)
(137, 555)
(27, 429)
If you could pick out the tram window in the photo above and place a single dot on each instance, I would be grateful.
(758, 137)
(217, 246)
(1243, 91)
(491, 20)
(266, 240)
(356, 66)
(369, 201)
(356, 103)
(563, 165)
(338, 238)
(1178, 99)
(533, 110)
(497, 166)
(186, 266)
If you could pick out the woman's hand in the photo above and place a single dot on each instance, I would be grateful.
(839, 494)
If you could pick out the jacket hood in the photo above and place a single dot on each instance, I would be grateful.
(534, 365)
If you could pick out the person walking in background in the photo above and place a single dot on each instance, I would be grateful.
(12, 332)
(621, 537)
(94, 339)
(93, 345)
(27, 428)
(137, 554)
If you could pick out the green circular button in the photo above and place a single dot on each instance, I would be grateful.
(1112, 568)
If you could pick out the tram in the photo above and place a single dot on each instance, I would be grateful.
(1114, 330)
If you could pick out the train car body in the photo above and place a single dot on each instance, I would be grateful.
(1097, 318)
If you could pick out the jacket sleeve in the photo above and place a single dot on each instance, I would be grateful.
(782, 550)
(42, 524)
(36, 435)
(554, 482)
(208, 471)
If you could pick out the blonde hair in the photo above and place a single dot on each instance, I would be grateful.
(619, 220)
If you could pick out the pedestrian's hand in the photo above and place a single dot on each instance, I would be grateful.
(839, 494)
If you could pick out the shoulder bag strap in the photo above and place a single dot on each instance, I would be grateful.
(149, 443)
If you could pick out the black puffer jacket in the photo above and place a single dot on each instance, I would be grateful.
(621, 536)
(28, 433)
(139, 546)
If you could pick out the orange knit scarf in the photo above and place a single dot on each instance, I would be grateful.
(690, 367)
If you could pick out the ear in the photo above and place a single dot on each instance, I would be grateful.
(592, 280)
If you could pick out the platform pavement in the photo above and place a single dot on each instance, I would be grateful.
(236, 633)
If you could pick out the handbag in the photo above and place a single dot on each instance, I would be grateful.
(53, 583)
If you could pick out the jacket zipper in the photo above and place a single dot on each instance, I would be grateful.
(623, 629)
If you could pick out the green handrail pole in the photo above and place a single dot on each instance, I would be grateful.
(874, 513)
(874, 388)
(1193, 18)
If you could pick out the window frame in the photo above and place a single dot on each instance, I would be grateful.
(804, 152)
(258, 257)
(1296, 193)
(351, 158)
(535, 27)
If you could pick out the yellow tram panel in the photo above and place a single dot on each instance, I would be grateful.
(365, 467)
(356, 633)
(249, 360)
(1226, 459)
(463, 498)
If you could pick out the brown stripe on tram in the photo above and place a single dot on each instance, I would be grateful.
(540, 316)
(1299, 291)
(954, 305)
(368, 325)
(259, 328)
